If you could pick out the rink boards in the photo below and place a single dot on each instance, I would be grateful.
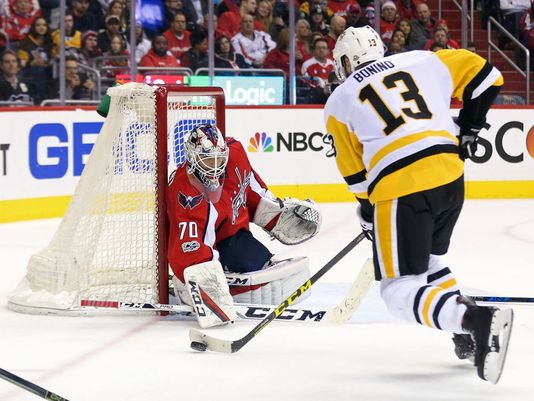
(43, 152)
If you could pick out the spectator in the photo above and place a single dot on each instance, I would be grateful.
(339, 7)
(35, 54)
(117, 8)
(158, 55)
(355, 17)
(399, 38)
(393, 48)
(406, 8)
(197, 56)
(388, 21)
(337, 26)
(369, 13)
(278, 58)
(142, 43)
(231, 21)
(405, 25)
(178, 36)
(319, 66)
(113, 27)
(422, 27)
(12, 87)
(90, 48)
(253, 45)
(306, 8)
(117, 57)
(317, 21)
(225, 57)
(264, 15)
(170, 9)
(302, 40)
(441, 37)
(84, 20)
(195, 10)
(18, 23)
(73, 37)
(218, 31)
(77, 85)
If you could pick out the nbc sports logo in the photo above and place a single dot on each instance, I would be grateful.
(260, 143)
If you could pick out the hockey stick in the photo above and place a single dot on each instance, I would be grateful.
(345, 309)
(507, 300)
(29, 386)
(243, 311)
(201, 341)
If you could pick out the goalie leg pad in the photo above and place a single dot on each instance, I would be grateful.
(271, 285)
(209, 293)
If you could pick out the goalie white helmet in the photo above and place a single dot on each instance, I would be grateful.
(359, 46)
(206, 153)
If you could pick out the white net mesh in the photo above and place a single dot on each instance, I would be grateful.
(106, 247)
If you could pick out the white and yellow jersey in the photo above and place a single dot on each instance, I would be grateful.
(391, 124)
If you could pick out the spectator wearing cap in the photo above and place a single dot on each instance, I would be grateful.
(422, 27)
(90, 48)
(253, 45)
(197, 56)
(159, 54)
(178, 37)
(388, 20)
(355, 17)
(113, 27)
(317, 21)
(117, 7)
(84, 20)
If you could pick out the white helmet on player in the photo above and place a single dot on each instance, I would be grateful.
(359, 46)
(206, 153)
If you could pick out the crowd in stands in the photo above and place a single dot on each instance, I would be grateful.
(250, 34)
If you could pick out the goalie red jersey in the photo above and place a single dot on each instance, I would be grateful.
(196, 225)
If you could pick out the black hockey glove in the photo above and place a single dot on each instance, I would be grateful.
(367, 226)
(469, 140)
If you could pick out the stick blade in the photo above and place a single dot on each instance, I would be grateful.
(342, 313)
(212, 343)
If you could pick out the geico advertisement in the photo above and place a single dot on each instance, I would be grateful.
(44, 153)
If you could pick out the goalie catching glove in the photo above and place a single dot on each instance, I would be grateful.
(290, 221)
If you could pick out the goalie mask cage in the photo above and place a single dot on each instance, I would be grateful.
(111, 243)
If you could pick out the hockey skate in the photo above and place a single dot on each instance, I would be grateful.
(491, 329)
(464, 346)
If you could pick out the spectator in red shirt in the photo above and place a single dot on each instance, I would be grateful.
(178, 37)
(302, 40)
(158, 55)
(230, 21)
(388, 21)
(441, 37)
(339, 7)
(19, 22)
(319, 66)
(279, 57)
(337, 27)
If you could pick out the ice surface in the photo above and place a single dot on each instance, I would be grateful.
(375, 357)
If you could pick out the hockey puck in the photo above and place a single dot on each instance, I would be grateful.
(198, 346)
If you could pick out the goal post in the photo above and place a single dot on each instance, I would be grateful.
(112, 241)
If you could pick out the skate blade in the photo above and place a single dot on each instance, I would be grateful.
(501, 327)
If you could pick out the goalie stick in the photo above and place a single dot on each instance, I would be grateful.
(29, 386)
(243, 311)
(201, 341)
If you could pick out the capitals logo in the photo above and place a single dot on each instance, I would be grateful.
(189, 201)
(260, 143)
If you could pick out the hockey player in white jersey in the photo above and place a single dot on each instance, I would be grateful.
(402, 154)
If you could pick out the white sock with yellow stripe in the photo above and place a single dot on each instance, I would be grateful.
(440, 275)
(412, 299)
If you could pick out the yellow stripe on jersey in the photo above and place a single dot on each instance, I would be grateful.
(463, 66)
(383, 231)
(426, 307)
(448, 284)
(407, 140)
(349, 150)
(426, 173)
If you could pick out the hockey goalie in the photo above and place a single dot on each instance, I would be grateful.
(212, 197)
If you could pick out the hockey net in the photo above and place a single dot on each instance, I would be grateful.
(111, 243)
